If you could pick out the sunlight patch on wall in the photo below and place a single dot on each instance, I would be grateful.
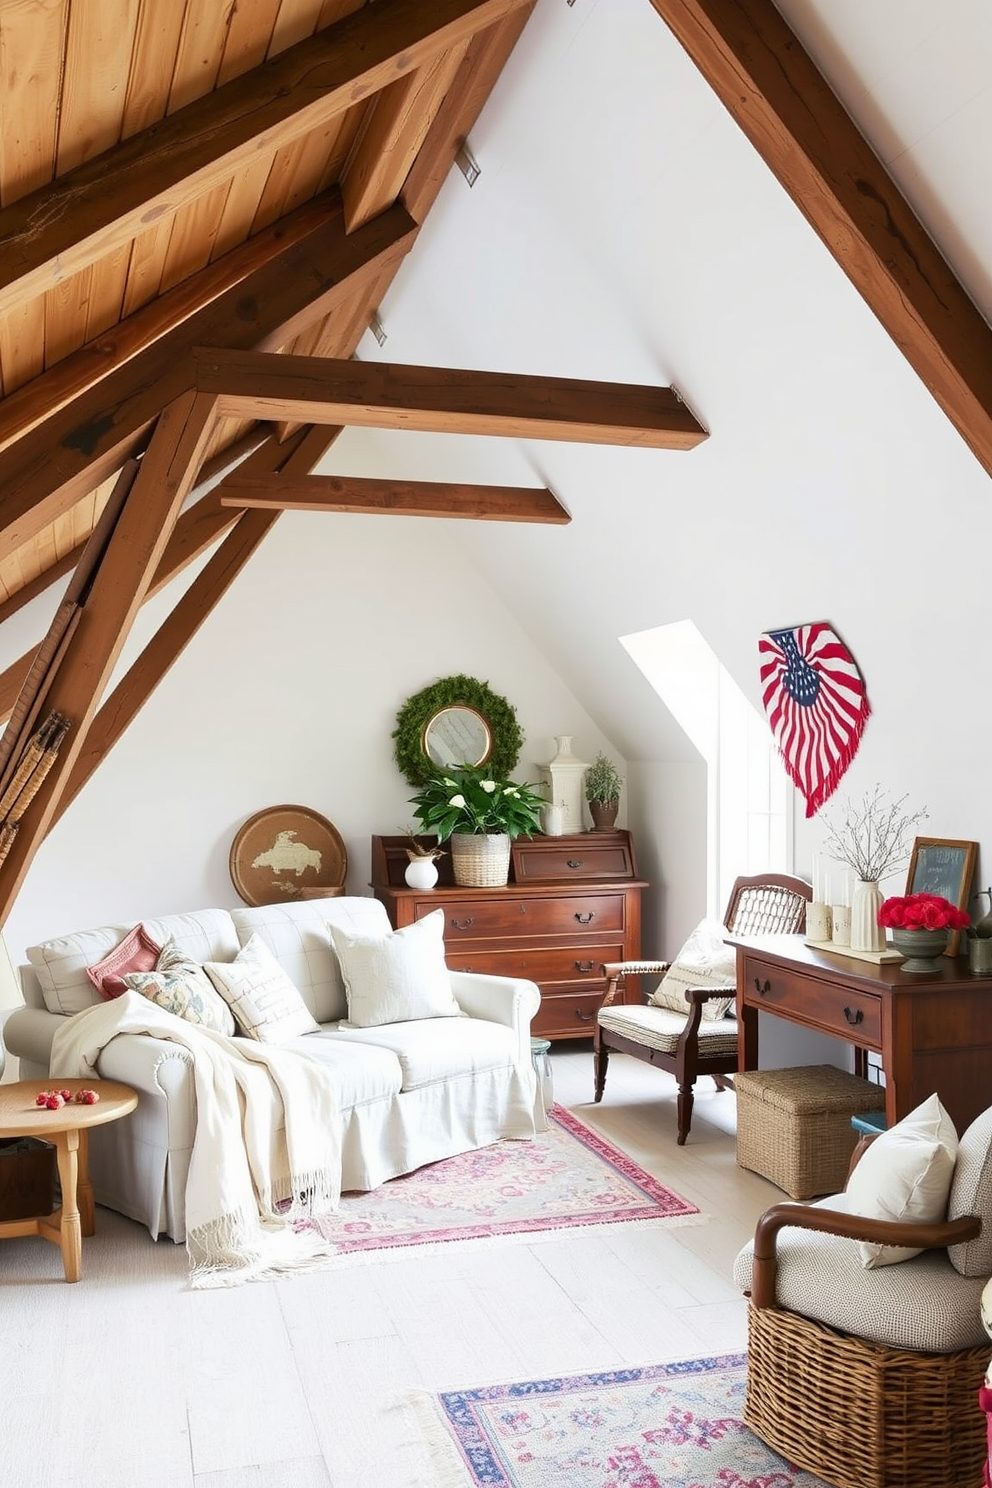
(749, 803)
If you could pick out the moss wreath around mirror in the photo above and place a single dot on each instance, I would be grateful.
(413, 718)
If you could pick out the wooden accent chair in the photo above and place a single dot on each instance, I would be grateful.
(870, 1378)
(691, 1044)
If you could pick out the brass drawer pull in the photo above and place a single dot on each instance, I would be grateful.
(586, 919)
(854, 1016)
(584, 965)
(762, 988)
(574, 863)
(462, 924)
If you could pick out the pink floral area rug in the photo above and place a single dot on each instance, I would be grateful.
(663, 1426)
(565, 1178)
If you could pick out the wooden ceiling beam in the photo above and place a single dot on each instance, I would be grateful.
(336, 493)
(189, 614)
(774, 91)
(66, 456)
(115, 595)
(199, 527)
(487, 55)
(380, 395)
(36, 400)
(395, 125)
(103, 203)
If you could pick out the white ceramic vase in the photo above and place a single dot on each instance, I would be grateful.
(421, 873)
(866, 933)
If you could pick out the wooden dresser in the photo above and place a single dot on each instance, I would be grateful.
(572, 903)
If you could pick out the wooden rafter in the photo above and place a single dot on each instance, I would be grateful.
(772, 88)
(62, 459)
(115, 595)
(205, 592)
(336, 493)
(104, 202)
(445, 400)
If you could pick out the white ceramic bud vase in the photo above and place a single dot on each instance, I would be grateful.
(866, 933)
(421, 873)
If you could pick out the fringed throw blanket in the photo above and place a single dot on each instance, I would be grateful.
(266, 1148)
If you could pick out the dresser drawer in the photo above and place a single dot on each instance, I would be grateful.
(839, 1011)
(567, 1014)
(512, 917)
(589, 855)
(544, 965)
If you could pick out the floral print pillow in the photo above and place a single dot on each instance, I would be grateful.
(181, 986)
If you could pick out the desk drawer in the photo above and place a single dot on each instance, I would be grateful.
(839, 1011)
(510, 917)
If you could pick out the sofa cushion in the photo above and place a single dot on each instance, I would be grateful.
(362, 1074)
(136, 952)
(905, 1174)
(266, 1005)
(60, 964)
(181, 986)
(432, 1050)
(397, 977)
(297, 935)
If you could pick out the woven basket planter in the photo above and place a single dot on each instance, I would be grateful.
(480, 861)
(860, 1415)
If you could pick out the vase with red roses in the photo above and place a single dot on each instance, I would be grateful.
(920, 926)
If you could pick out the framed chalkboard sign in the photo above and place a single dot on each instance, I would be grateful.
(942, 865)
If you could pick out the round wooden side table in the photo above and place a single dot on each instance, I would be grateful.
(68, 1129)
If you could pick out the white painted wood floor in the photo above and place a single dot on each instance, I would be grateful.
(128, 1380)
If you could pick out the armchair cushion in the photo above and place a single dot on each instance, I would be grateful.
(971, 1193)
(704, 961)
(924, 1305)
(659, 1028)
(905, 1174)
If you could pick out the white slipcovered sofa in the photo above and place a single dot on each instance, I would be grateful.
(410, 1092)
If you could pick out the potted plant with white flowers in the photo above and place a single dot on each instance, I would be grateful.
(480, 814)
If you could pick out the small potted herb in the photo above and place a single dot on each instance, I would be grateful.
(603, 783)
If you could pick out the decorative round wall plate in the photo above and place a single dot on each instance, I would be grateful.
(285, 853)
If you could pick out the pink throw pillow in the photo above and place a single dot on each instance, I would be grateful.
(136, 952)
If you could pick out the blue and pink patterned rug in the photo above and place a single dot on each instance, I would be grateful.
(662, 1426)
(566, 1178)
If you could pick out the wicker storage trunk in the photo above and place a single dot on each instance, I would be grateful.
(27, 1178)
(794, 1125)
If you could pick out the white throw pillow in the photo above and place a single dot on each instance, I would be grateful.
(398, 977)
(704, 961)
(265, 1004)
(181, 986)
(905, 1174)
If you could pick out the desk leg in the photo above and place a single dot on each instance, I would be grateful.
(747, 1037)
(71, 1240)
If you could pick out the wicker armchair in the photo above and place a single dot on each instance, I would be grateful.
(870, 1378)
(690, 1045)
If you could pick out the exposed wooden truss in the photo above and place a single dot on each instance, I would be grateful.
(446, 400)
(338, 493)
(757, 67)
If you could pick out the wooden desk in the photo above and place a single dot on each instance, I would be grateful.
(934, 1033)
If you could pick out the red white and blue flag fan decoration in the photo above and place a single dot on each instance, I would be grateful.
(816, 702)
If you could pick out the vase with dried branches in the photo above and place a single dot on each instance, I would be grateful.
(872, 837)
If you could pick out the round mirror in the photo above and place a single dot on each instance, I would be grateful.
(456, 721)
(457, 736)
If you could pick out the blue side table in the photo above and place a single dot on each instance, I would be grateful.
(870, 1123)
